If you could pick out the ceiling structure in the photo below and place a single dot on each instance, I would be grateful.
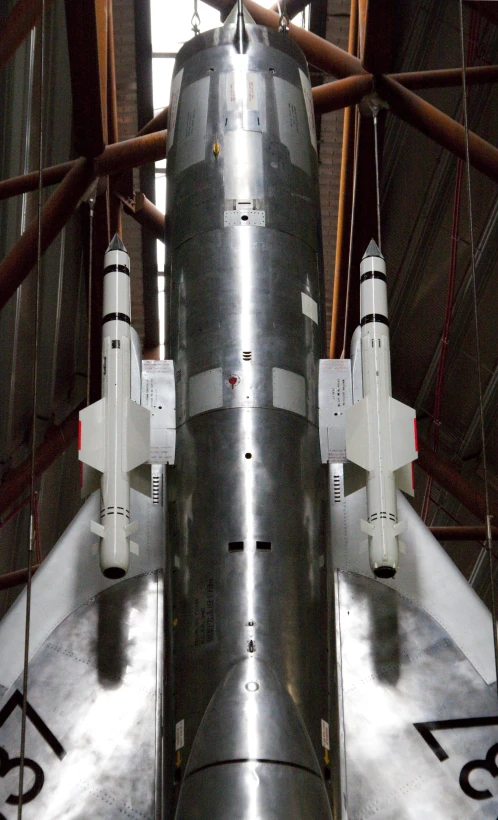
(100, 141)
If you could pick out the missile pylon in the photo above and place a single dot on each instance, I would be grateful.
(114, 432)
(381, 435)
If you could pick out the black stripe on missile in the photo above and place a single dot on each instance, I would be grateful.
(374, 317)
(373, 274)
(116, 317)
(254, 760)
(121, 268)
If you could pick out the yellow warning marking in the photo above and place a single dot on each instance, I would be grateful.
(216, 149)
(175, 622)
(326, 757)
(178, 759)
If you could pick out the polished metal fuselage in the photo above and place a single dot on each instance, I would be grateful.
(246, 524)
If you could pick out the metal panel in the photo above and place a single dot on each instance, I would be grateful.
(243, 163)
(242, 218)
(158, 394)
(205, 391)
(289, 391)
(334, 397)
(293, 123)
(91, 747)
(310, 307)
(401, 668)
(191, 126)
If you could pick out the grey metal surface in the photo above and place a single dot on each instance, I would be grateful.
(400, 668)
(250, 585)
(94, 687)
(413, 650)
(70, 576)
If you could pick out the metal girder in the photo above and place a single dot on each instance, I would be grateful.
(57, 439)
(341, 93)
(143, 211)
(446, 77)
(86, 23)
(376, 30)
(112, 120)
(55, 214)
(29, 182)
(17, 25)
(438, 126)
(293, 7)
(16, 578)
(462, 533)
(447, 476)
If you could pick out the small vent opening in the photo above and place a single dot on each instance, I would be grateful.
(235, 546)
(336, 488)
(246, 355)
(156, 489)
(263, 545)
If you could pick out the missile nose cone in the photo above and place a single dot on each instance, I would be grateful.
(116, 244)
(372, 250)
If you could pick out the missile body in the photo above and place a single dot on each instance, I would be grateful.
(114, 434)
(380, 431)
(246, 336)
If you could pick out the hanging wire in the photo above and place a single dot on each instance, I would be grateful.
(283, 23)
(377, 178)
(196, 20)
(489, 542)
(91, 204)
(33, 501)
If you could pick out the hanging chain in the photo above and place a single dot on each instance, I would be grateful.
(283, 23)
(489, 541)
(196, 20)
(33, 515)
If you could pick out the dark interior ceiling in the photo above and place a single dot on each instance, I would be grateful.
(425, 239)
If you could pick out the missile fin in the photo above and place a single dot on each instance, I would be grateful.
(404, 479)
(141, 479)
(358, 447)
(366, 527)
(136, 441)
(131, 529)
(97, 529)
(399, 528)
(91, 443)
(402, 426)
(90, 479)
(355, 478)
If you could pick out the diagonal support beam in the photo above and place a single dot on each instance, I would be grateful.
(55, 214)
(86, 23)
(17, 25)
(438, 126)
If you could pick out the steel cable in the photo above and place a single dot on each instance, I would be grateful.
(489, 543)
(33, 501)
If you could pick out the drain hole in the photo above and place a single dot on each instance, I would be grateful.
(248, 455)
(235, 546)
(263, 545)
(244, 217)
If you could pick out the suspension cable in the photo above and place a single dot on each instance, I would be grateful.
(377, 178)
(489, 542)
(91, 205)
(33, 501)
(196, 20)
(283, 23)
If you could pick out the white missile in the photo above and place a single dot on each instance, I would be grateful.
(114, 433)
(381, 434)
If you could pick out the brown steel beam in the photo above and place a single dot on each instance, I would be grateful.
(121, 156)
(29, 182)
(457, 533)
(319, 52)
(341, 93)
(376, 54)
(86, 23)
(15, 579)
(101, 239)
(143, 211)
(447, 476)
(55, 213)
(157, 123)
(57, 439)
(17, 25)
(446, 77)
(344, 212)
(438, 126)
(293, 7)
